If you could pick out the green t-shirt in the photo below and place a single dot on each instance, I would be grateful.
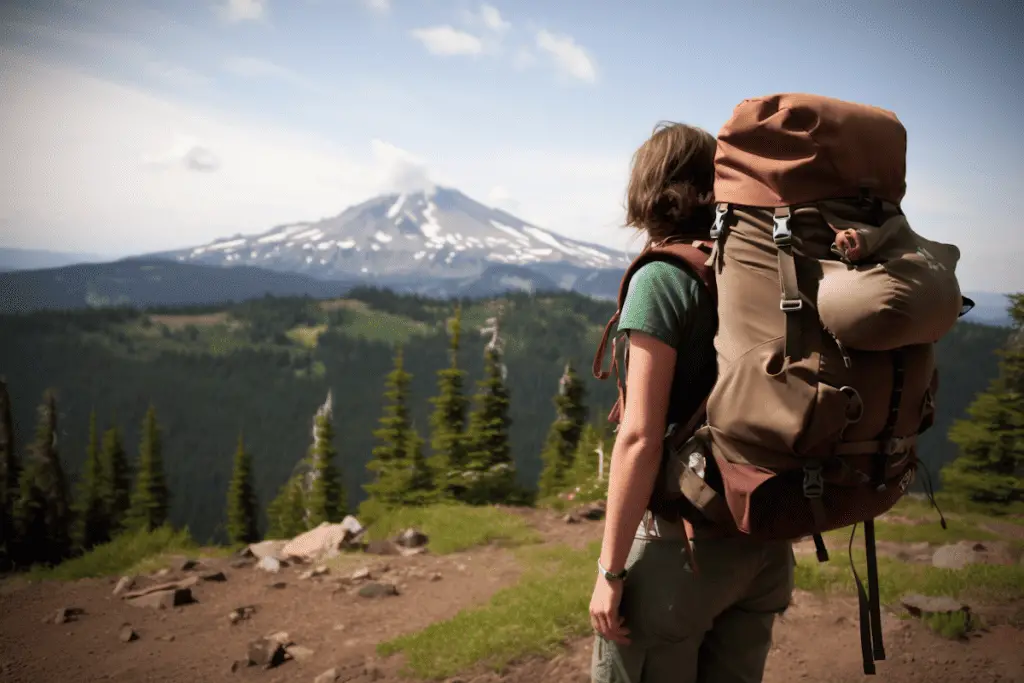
(672, 305)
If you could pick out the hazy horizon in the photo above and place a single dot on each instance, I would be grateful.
(132, 127)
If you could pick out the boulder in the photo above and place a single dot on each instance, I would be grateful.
(332, 675)
(64, 615)
(382, 548)
(241, 613)
(180, 563)
(124, 585)
(266, 653)
(922, 605)
(265, 549)
(269, 564)
(299, 653)
(315, 572)
(959, 555)
(411, 538)
(128, 634)
(165, 599)
(377, 590)
(161, 587)
(325, 541)
(593, 512)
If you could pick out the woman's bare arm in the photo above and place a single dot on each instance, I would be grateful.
(638, 446)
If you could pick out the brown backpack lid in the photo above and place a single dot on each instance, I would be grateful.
(787, 149)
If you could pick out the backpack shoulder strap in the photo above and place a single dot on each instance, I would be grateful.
(693, 256)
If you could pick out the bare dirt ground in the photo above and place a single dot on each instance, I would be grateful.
(817, 640)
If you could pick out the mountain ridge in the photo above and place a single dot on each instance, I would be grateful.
(403, 238)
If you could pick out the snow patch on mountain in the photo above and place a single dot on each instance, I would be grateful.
(440, 233)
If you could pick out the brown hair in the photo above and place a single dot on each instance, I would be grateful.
(670, 191)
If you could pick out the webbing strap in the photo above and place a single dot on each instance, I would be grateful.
(880, 459)
(874, 606)
(791, 304)
(864, 605)
(894, 445)
(819, 548)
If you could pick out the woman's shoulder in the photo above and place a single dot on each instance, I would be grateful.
(665, 279)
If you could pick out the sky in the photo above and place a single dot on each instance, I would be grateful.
(129, 127)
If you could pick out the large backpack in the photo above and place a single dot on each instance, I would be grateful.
(829, 307)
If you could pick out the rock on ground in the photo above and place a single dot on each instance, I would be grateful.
(919, 605)
(378, 590)
(265, 652)
(325, 541)
(165, 599)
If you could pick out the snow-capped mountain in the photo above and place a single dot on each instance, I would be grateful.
(411, 240)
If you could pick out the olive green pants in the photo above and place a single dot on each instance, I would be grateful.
(715, 627)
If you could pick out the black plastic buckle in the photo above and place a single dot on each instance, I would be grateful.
(814, 484)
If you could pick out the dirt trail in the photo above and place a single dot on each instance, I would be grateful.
(817, 640)
(337, 626)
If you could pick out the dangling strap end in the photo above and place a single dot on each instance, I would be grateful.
(691, 554)
(819, 548)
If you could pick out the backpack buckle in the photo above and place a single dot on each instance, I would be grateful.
(896, 445)
(719, 224)
(814, 484)
(791, 305)
(781, 234)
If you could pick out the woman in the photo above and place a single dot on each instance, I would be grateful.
(656, 619)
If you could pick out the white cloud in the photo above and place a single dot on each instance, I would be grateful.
(85, 162)
(89, 164)
(256, 68)
(234, 11)
(491, 18)
(185, 152)
(571, 59)
(500, 197)
(398, 170)
(447, 41)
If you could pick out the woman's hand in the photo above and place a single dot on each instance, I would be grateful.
(604, 611)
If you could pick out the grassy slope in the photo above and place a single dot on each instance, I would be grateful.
(550, 603)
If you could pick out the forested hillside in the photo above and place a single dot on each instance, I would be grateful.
(263, 368)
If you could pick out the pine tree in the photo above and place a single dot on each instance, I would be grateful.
(286, 514)
(242, 504)
(115, 481)
(585, 477)
(325, 502)
(490, 472)
(420, 488)
(584, 462)
(93, 521)
(9, 475)
(43, 513)
(564, 435)
(392, 461)
(990, 467)
(150, 499)
(448, 421)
